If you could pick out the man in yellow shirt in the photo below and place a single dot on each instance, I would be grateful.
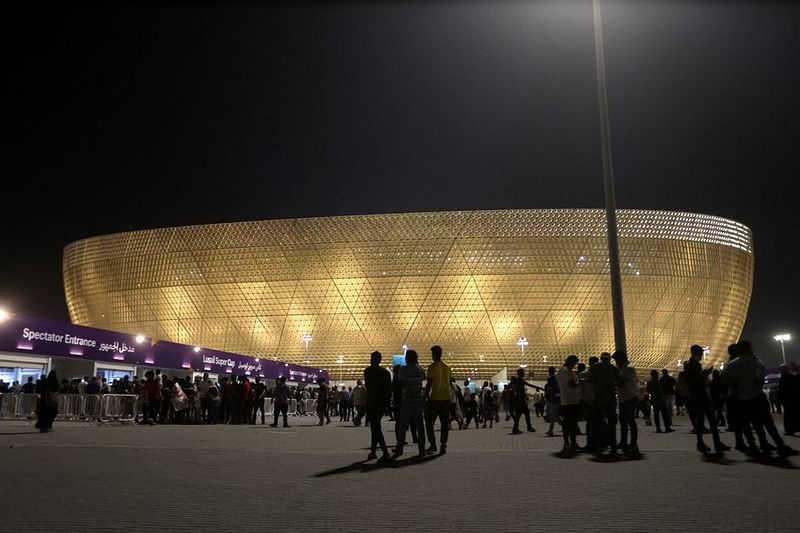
(437, 390)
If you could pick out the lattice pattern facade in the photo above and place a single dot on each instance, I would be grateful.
(472, 281)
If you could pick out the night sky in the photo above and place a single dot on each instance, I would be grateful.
(141, 116)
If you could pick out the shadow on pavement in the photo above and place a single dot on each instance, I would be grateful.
(365, 466)
(616, 457)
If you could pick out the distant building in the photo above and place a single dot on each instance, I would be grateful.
(474, 282)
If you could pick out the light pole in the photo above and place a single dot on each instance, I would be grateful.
(307, 338)
(608, 181)
(781, 338)
(340, 361)
(522, 342)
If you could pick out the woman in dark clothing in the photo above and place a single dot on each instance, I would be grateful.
(48, 402)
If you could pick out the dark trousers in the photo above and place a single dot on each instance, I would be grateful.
(757, 411)
(437, 409)
(204, 404)
(258, 406)
(627, 423)
(281, 408)
(704, 410)
(604, 424)
(376, 432)
(344, 412)
(659, 411)
(520, 410)
(411, 414)
(153, 407)
(360, 409)
(471, 408)
(569, 427)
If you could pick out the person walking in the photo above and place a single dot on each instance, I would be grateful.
(471, 405)
(604, 377)
(668, 385)
(696, 380)
(280, 397)
(570, 403)
(628, 391)
(378, 383)
(519, 401)
(48, 402)
(487, 405)
(746, 375)
(344, 405)
(359, 402)
(259, 390)
(659, 405)
(437, 390)
(322, 403)
(411, 377)
(552, 395)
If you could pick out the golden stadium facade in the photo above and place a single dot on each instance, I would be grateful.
(330, 290)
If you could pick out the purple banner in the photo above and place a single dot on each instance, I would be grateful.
(173, 355)
(39, 336)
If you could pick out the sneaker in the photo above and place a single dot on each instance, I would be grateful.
(287, 426)
(372, 455)
(385, 458)
(515, 432)
(431, 449)
(443, 449)
(397, 452)
(722, 447)
(668, 430)
(273, 425)
(702, 448)
(531, 430)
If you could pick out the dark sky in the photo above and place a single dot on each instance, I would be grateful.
(140, 116)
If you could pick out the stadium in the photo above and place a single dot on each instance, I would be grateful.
(496, 289)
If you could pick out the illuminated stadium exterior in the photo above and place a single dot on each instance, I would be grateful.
(328, 289)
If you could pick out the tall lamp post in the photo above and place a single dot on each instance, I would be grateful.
(620, 342)
(781, 339)
(522, 342)
(307, 338)
(340, 362)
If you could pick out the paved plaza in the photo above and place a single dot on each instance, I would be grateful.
(255, 478)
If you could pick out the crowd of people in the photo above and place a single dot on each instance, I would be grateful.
(600, 394)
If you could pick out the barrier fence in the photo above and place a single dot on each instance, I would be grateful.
(108, 408)
(102, 408)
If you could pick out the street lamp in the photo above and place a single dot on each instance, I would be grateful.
(306, 337)
(608, 182)
(340, 361)
(522, 342)
(781, 339)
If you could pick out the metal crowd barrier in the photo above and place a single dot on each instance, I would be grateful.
(292, 408)
(69, 406)
(105, 408)
(117, 408)
(269, 408)
(18, 406)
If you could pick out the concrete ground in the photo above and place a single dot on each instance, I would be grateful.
(255, 478)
